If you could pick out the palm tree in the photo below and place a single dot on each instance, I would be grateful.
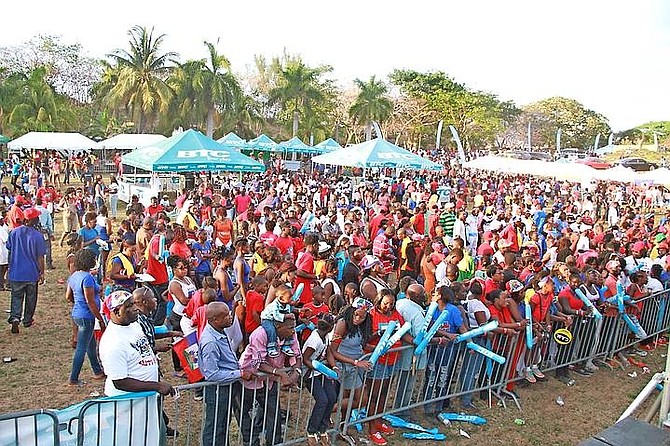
(371, 104)
(298, 86)
(141, 85)
(206, 89)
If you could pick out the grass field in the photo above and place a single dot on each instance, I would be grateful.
(38, 379)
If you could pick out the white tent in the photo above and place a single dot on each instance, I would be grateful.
(125, 142)
(60, 142)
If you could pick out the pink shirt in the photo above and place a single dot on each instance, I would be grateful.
(256, 354)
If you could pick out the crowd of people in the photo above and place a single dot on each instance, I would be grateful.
(226, 260)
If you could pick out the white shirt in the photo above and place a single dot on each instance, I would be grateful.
(654, 285)
(314, 340)
(475, 306)
(125, 352)
(4, 253)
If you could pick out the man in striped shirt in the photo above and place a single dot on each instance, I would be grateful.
(383, 249)
(447, 219)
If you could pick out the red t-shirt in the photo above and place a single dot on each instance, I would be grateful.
(285, 245)
(268, 238)
(305, 262)
(199, 319)
(254, 302)
(242, 203)
(575, 302)
(380, 319)
(157, 269)
(316, 311)
(153, 210)
(503, 316)
(489, 285)
(193, 304)
(541, 303)
(180, 249)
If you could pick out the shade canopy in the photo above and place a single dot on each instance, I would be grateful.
(190, 151)
(328, 145)
(262, 142)
(62, 142)
(295, 145)
(376, 153)
(130, 141)
(4, 139)
(231, 139)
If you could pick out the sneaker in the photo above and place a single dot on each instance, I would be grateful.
(197, 397)
(386, 429)
(287, 350)
(536, 371)
(583, 371)
(566, 380)
(272, 351)
(377, 439)
(530, 377)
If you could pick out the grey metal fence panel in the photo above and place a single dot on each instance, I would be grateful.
(30, 428)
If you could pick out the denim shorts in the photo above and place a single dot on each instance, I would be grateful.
(382, 371)
(351, 377)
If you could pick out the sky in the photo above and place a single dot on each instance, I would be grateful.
(612, 56)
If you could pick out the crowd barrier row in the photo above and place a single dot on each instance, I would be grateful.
(438, 380)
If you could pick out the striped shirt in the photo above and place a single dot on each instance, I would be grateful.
(382, 249)
(447, 221)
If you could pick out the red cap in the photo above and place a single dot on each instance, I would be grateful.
(31, 214)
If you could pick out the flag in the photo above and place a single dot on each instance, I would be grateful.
(187, 351)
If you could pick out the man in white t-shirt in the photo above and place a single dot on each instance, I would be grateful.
(127, 358)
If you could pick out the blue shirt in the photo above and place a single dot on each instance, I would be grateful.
(204, 248)
(88, 235)
(25, 244)
(16, 169)
(216, 359)
(77, 282)
(453, 321)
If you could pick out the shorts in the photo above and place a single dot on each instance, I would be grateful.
(382, 371)
(351, 377)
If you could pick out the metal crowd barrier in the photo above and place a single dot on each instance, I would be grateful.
(237, 414)
(31, 427)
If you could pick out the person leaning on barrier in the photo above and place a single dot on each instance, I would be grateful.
(219, 365)
(125, 352)
(265, 389)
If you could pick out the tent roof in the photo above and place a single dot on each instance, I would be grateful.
(130, 141)
(328, 145)
(52, 141)
(296, 145)
(376, 153)
(231, 139)
(190, 151)
(262, 142)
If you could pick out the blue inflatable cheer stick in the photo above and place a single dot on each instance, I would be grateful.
(426, 322)
(327, 371)
(379, 349)
(298, 292)
(301, 327)
(433, 329)
(403, 424)
(588, 304)
(486, 352)
(423, 436)
(404, 328)
(489, 326)
(473, 419)
(529, 328)
(160, 329)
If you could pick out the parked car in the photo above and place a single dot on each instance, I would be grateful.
(637, 164)
(518, 154)
(542, 156)
(595, 162)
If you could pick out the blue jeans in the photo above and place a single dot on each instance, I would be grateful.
(113, 203)
(325, 396)
(222, 403)
(24, 301)
(86, 346)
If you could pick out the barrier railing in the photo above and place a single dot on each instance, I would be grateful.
(31, 427)
(266, 412)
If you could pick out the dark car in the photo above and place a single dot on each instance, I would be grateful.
(637, 164)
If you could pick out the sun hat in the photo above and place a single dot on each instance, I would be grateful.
(369, 261)
(323, 247)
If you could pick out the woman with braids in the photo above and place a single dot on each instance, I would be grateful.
(352, 331)
(178, 247)
(180, 291)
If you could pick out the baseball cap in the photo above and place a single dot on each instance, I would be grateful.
(31, 214)
(513, 286)
(659, 238)
(117, 299)
(369, 261)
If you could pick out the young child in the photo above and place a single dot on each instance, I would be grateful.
(313, 311)
(276, 311)
(255, 303)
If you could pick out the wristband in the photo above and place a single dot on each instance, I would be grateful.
(274, 371)
(355, 362)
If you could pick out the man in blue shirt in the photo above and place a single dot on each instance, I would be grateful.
(219, 365)
(26, 268)
(47, 228)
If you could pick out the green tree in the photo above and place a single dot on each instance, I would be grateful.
(141, 86)
(206, 89)
(299, 91)
(372, 104)
(579, 125)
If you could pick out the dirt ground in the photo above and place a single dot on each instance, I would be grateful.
(38, 379)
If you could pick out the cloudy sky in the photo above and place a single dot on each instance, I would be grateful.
(612, 56)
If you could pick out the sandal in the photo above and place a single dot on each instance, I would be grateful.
(324, 439)
(313, 439)
(100, 377)
(79, 383)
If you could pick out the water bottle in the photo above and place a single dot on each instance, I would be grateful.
(443, 418)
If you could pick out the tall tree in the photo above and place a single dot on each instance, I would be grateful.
(142, 73)
(206, 89)
(299, 90)
(372, 104)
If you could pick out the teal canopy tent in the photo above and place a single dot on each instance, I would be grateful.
(295, 145)
(4, 139)
(328, 145)
(190, 151)
(232, 140)
(377, 153)
(263, 143)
